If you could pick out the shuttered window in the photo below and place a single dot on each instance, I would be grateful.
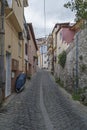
(26, 48)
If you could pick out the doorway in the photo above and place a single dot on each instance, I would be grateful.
(8, 75)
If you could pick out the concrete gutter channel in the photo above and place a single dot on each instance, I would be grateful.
(47, 120)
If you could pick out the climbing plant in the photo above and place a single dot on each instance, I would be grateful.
(83, 68)
(62, 59)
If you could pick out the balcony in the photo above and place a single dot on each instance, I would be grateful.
(14, 12)
(25, 2)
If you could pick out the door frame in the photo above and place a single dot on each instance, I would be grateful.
(8, 75)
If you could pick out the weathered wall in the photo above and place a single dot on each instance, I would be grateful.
(11, 39)
(32, 52)
(68, 74)
(19, 11)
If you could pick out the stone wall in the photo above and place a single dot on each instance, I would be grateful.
(68, 74)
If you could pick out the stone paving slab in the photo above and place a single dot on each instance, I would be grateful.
(43, 105)
(62, 110)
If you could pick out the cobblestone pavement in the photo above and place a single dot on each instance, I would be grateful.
(43, 106)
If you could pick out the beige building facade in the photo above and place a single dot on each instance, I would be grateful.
(50, 52)
(14, 43)
(32, 51)
(42, 56)
(26, 44)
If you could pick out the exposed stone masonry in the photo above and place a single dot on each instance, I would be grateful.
(68, 74)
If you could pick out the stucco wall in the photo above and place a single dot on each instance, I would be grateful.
(19, 10)
(67, 32)
(31, 53)
(11, 38)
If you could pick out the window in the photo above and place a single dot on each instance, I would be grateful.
(19, 49)
(26, 49)
(45, 55)
(60, 35)
(59, 48)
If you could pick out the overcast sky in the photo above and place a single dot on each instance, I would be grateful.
(55, 13)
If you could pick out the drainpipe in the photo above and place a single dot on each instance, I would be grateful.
(2, 42)
(42, 54)
(52, 56)
(77, 66)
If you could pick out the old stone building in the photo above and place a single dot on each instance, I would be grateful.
(76, 63)
(63, 35)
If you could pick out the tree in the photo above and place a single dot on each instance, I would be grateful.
(80, 8)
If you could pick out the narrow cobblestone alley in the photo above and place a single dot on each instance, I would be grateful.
(42, 105)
